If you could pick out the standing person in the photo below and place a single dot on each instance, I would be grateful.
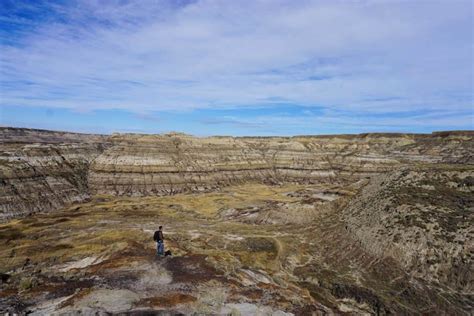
(158, 237)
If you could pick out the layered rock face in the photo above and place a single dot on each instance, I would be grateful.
(43, 170)
(173, 163)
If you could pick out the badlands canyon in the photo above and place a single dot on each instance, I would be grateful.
(305, 225)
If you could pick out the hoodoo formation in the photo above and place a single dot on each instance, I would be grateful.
(368, 223)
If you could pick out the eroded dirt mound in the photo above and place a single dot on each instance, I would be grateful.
(423, 218)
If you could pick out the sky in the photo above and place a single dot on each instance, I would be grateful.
(237, 67)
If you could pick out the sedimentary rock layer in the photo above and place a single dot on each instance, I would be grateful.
(168, 164)
(42, 171)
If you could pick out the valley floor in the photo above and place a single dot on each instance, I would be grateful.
(246, 249)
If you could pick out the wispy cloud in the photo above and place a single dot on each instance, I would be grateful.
(148, 117)
(239, 123)
(351, 58)
(338, 122)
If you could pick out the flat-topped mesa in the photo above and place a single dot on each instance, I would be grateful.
(172, 163)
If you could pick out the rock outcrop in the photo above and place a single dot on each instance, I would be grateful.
(173, 163)
(44, 170)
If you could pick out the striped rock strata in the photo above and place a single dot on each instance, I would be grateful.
(43, 170)
(168, 164)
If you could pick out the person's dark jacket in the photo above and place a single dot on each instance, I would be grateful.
(158, 236)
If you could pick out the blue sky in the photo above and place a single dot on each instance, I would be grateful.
(237, 67)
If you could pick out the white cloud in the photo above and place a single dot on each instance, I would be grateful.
(362, 56)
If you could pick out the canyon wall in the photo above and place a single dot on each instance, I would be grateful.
(43, 170)
(172, 163)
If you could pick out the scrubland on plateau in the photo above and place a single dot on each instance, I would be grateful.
(304, 225)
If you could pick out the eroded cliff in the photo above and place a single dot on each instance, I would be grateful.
(168, 164)
(44, 170)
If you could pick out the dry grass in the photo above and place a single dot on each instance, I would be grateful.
(109, 224)
(317, 257)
